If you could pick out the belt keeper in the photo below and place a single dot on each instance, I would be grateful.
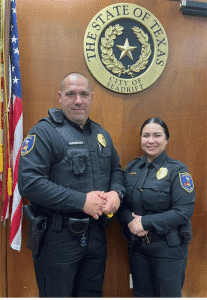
(57, 222)
(146, 239)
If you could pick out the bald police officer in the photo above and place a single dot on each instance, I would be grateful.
(70, 172)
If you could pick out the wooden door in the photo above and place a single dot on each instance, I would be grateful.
(51, 45)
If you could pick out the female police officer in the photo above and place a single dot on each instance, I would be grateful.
(158, 205)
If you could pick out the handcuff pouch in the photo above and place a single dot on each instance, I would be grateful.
(77, 227)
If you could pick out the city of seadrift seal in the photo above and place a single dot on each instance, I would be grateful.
(125, 48)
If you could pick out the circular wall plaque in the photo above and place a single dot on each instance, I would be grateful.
(125, 48)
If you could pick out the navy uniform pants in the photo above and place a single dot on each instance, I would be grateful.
(158, 270)
(64, 268)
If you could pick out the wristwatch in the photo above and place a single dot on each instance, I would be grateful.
(120, 193)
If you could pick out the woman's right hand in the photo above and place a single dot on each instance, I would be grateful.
(135, 226)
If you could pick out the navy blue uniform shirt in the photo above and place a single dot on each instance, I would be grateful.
(167, 196)
(44, 151)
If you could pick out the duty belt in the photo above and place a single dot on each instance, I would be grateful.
(59, 220)
(152, 237)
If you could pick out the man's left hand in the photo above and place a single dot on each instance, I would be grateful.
(112, 202)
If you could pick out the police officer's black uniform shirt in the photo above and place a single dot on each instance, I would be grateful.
(44, 150)
(167, 196)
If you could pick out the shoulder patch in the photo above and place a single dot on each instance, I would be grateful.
(28, 144)
(186, 182)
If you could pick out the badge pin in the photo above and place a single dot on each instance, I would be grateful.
(101, 140)
(161, 173)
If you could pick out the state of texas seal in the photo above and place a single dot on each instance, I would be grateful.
(125, 48)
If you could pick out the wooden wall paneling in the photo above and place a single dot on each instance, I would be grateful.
(51, 45)
(3, 260)
(20, 269)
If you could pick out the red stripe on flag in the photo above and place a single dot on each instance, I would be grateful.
(16, 213)
(17, 108)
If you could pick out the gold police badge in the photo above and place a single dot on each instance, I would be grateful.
(161, 173)
(101, 139)
(125, 48)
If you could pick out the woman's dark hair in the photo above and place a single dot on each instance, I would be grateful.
(159, 122)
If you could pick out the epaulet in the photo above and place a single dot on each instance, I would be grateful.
(95, 123)
(137, 158)
(174, 161)
(56, 115)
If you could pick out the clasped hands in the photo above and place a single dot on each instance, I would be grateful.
(98, 202)
(135, 226)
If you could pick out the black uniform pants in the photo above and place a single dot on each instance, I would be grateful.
(158, 270)
(63, 267)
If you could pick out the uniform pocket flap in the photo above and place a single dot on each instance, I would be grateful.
(173, 238)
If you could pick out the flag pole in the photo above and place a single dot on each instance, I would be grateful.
(3, 235)
(1, 96)
(5, 31)
(6, 67)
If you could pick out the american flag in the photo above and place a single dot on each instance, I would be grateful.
(16, 135)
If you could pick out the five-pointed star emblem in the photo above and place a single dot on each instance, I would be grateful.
(126, 50)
